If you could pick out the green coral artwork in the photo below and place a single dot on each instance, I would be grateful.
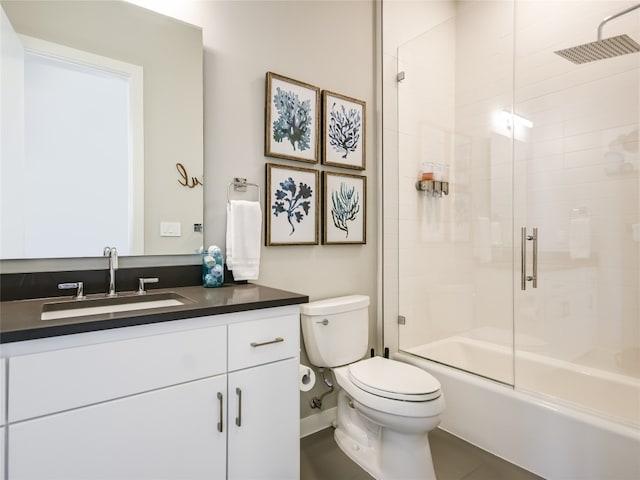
(345, 206)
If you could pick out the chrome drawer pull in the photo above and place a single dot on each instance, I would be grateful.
(276, 340)
(221, 412)
(239, 417)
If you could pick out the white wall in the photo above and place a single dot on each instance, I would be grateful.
(12, 125)
(327, 44)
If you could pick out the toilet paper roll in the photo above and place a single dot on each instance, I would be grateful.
(306, 378)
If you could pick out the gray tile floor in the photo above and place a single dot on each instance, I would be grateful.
(453, 459)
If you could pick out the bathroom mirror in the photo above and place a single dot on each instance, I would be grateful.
(48, 208)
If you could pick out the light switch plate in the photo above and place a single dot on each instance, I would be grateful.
(170, 229)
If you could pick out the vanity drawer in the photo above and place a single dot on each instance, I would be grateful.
(263, 341)
(53, 381)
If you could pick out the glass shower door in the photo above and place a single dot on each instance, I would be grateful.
(578, 333)
(531, 141)
(456, 255)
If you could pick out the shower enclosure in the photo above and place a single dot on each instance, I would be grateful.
(518, 203)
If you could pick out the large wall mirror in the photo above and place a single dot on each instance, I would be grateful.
(102, 131)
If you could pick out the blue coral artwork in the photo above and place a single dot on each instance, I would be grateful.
(293, 205)
(343, 131)
(294, 120)
(292, 123)
(344, 208)
(293, 200)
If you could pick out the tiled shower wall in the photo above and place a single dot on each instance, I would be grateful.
(582, 163)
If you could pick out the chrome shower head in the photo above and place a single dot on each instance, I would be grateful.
(599, 50)
(602, 48)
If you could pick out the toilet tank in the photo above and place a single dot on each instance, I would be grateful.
(336, 330)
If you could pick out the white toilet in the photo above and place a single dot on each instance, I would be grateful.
(385, 408)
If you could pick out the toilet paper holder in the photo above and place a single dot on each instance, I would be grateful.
(306, 378)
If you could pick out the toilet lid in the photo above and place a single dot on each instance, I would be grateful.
(392, 379)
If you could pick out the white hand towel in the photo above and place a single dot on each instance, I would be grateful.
(244, 226)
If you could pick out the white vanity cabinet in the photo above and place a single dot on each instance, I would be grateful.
(161, 404)
(2, 412)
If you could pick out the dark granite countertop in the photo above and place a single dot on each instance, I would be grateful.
(20, 319)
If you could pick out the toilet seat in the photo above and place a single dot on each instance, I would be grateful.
(394, 380)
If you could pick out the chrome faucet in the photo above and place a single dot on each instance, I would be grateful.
(112, 253)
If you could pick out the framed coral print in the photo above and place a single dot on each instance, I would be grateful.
(292, 205)
(345, 208)
(292, 119)
(343, 131)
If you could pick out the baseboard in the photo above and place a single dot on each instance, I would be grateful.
(318, 421)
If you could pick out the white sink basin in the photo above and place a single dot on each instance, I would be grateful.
(100, 306)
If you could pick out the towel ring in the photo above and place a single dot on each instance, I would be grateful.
(240, 185)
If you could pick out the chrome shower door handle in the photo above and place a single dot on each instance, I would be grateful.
(534, 238)
(524, 278)
(523, 258)
(221, 412)
(239, 417)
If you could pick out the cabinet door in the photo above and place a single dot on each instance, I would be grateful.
(170, 433)
(265, 402)
(2, 391)
(2, 452)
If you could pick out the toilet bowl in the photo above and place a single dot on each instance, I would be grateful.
(390, 439)
(385, 408)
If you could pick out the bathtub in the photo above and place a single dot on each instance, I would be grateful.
(587, 435)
